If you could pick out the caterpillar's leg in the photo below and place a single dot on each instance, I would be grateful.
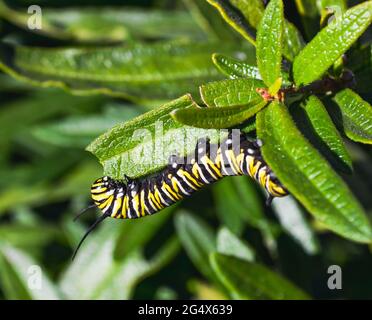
(132, 184)
(269, 200)
(258, 143)
(128, 179)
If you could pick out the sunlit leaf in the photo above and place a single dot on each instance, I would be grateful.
(248, 280)
(23, 278)
(139, 72)
(308, 176)
(270, 42)
(355, 117)
(330, 43)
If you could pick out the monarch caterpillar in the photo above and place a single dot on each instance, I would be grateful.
(183, 176)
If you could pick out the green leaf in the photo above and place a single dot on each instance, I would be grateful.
(107, 25)
(232, 92)
(78, 131)
(233, 19)
(143, 145)
(330, 43)
(128, 239)
(198, 240)
(252, 10)
(116, 278)
(229, 211)
(293, 221)
(19, 276)
(270, 42)
(248, 280)
(275, 87)
(360, 62)
(27, 237)
(247, 193)
(139, 72)
(293, 42)
(230, 245)
(209, 20)
(325, 130)
(218, 118)
(37, 108)
(308, 176)
(309, 15)
(335, 7)
(238, 200)
(75, 182)
(112, 287)
(235, 68)
(356, 116)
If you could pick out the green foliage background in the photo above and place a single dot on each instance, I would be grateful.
(93, 67)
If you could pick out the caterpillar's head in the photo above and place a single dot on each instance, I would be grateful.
(102, 189)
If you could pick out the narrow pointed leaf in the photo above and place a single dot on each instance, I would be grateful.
(269, 42)
(198, 240)
(229, 244)
(325, 130)
(106, 25)
(335, 6)
(235, 20)
(234, 92)
(218, 118)
(252, 11)
(308, 176)
(355, 117)
(294, 222)
(249, 280)
(144, 144)
(235, 68)
(78, 131)
(293, 42)
(330, 43)
(238, 200)
(116, 279)
(209, 20)
(139, 72)
(19, 277)
(309, 15)
(229, 211)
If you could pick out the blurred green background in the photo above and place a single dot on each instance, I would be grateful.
(46, 175)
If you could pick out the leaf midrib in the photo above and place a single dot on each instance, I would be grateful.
(201, 73)
(324, 197)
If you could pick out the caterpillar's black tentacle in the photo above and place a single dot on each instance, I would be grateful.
(91, 228)
(269, 200)
(83, 211)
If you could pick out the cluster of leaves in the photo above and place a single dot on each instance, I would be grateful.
(110, 74)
